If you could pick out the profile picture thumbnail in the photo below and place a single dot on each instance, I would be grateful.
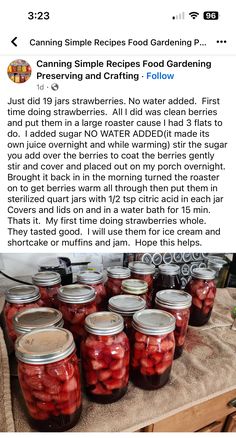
(19, 71)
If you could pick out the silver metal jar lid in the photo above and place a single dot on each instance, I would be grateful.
(22, 294)
(171, 269)
(134, 286)
(76, 294)
(118, 272)
(37, 318)
(173, 299)
(89, 277)
(153, 322)
(46, 278)
(104, 323)
(126, 305)
(204, 273)
(141, 268)
(44, 346)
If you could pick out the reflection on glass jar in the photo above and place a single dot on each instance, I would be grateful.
(178, 304)
(167, 278)
(49, 283)
(126, 306)
(105, 357)
(152, 349)
(19, 298)
(75, 302)
(49, 378)
(144, 272)
(95, 280)
(203, 290)
(115, 276)
(35, 319)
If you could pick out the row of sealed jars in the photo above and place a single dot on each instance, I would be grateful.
(48, 367)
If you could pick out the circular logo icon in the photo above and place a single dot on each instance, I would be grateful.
(19, 71)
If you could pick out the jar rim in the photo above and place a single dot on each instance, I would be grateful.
(44, 346)
(76, 294)
(126, 305)
(204, 273)
(134, 286)
(118, 272)
(89, 277)
(173, 299)
(153, 322)
(22, 294)
(141, 268)
(46, 278)
(169, 269)
(104, 323)
(37, 318)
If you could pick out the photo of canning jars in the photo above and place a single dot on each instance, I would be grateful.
(19, 71)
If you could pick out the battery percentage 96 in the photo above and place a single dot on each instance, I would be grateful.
(211, 15)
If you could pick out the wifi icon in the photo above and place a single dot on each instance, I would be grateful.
(193, 14)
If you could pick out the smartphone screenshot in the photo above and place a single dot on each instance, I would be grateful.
(117, 223)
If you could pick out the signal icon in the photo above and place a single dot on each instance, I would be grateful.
(180, 16)
(193, 14)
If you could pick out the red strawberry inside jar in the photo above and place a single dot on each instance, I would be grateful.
(105, 357)
(152, 349)
(75, 302)
(19, 298)
(202, 288)
(95, 280)
(126, 306)
(178, 304)
(49, 378)
(49, 283)
(143, 271)
(115, 276)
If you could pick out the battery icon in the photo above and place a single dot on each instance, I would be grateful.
(211, 15)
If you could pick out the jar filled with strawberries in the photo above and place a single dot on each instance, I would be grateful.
(49, 379)
(115, 276)
(143, 271)
(75, 302)
(202, 288)
(178, 304)
(49, 283)
(152, 348)
(95, 280)
(19, 298)
(105, 357)
(126, 306)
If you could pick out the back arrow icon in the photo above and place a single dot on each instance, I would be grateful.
(14, 41)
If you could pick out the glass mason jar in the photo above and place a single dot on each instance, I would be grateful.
(126, 306)
(167, 278)
(152, 349)
(48, 283)
(95, 280)
(49, 378)
(105, 357)
(115, 276)
(19, 298)
(75, 302)
(177, 303)
(135, 287)
(35, 319)
(143, 271)
(202, 288)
